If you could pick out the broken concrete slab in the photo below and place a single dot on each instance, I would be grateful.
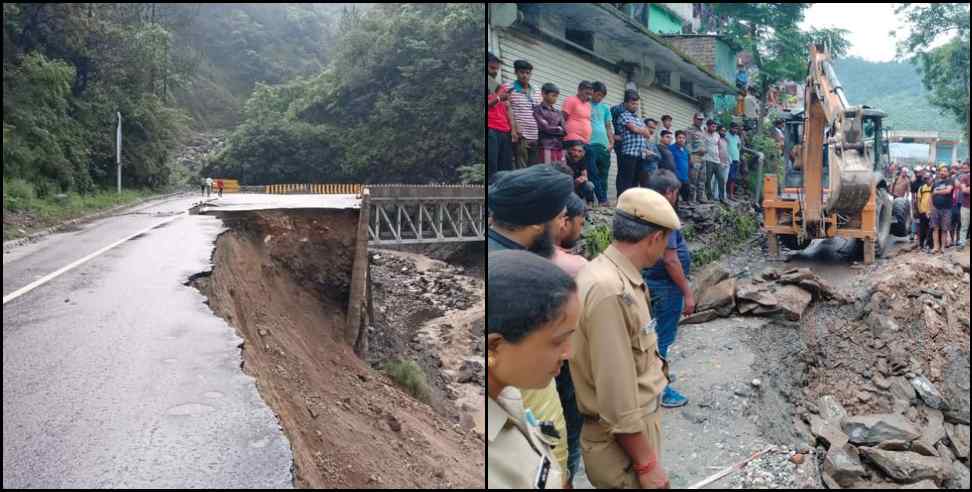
(907, 467)
(874, 429)
(843, 465)
(929, 393)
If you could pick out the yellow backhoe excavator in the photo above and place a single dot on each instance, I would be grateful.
(833, 183)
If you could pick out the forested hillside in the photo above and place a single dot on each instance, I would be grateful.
(397, 103)
(896, 88)
(322, 92)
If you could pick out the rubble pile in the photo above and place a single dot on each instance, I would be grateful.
(883, 386)
(887, 399)
(439, 288)
(785, 295)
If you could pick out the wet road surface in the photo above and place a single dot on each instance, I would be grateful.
(116, 374)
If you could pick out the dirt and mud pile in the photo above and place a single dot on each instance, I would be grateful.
(887, 383)
(433, 312)
(282, 279)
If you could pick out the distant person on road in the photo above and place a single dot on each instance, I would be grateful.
(219, 188)
(941, 219)
(209, 186)
(531, 318)
(956, 206)
(202, 186)
(901, 184)
(923, 206)
(963, 185)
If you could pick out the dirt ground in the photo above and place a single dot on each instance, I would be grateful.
(749, 379)
(281, 278)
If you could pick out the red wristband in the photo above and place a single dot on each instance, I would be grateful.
(645, 468)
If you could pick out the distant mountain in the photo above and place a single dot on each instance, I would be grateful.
(894, 87)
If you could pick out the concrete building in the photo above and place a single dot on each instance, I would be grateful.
(622, 45)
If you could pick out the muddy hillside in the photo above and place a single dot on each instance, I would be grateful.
(282, 279)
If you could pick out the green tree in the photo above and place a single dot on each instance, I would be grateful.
(945, 70)
(392, 105)
(770, 32)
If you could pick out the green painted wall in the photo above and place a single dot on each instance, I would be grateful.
(663, 22)
(725, 61)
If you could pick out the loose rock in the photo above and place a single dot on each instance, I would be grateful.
(907, 467)
(874, 429)
(929, 393)
(843, 465)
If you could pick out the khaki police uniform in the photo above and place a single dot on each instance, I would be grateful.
(546, 406)
(518, 454)
(617, 371)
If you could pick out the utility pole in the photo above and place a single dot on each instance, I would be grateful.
(118, 151)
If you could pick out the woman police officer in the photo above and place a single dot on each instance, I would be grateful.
(533, 311)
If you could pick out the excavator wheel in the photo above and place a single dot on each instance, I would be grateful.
(885, 216)
(902, 217)
(793, 243)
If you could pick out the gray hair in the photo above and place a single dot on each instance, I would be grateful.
(628, 230)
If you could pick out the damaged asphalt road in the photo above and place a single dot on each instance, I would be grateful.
(116, 374)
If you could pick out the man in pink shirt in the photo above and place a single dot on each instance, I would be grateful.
(577, 113)
(567, 236)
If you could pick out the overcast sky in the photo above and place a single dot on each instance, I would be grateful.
(868, 24)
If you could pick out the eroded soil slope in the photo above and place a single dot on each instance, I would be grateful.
(281, 278)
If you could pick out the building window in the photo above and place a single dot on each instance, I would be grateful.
(581, 38)
(686, 88)
(663, 79)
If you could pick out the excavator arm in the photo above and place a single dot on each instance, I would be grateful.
(832, 125)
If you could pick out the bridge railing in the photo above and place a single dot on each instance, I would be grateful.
(406, 214)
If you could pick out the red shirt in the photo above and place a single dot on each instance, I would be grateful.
(497, 117)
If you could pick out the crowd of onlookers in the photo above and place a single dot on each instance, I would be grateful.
(939, 200)
(526, 127)
(577, 349)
